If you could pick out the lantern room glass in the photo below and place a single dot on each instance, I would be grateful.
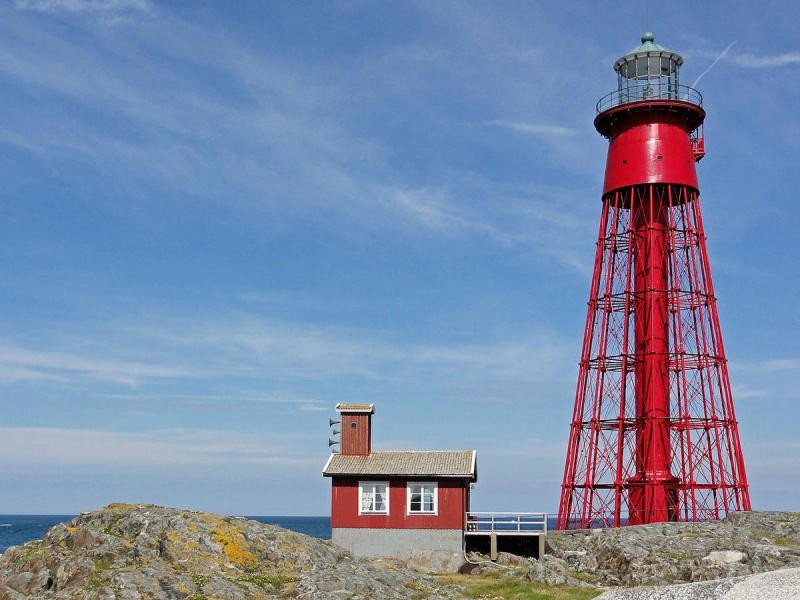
(648, 75)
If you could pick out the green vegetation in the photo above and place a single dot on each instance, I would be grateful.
(421, 592)
(496, 587)
(101, 565)
(264, 581)
(587, 577)
(778, 540)
(111, 528)
(95, 583)
(30, 551)
(690, 533)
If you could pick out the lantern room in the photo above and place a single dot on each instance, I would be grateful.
(649, 72)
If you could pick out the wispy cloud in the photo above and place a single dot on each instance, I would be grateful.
(535, 129)
(208, 348)
(782, 364)
(248, 344)
(22, 364)
(770, 365)
(755, 61)
(746, 60)
(240, 149)
(745, 392)
(305, 404)
(172, 447)
(85, 6)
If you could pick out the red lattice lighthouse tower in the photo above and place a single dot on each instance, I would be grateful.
(654, 436)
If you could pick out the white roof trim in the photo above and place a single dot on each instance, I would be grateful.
(328, 462)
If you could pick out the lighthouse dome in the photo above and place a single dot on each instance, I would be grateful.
(648, 60)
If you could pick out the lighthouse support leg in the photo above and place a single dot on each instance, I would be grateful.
(653, 490)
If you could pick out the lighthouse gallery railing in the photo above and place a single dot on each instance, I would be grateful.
(653, 90)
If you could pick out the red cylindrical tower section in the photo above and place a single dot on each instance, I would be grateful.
(649, 142)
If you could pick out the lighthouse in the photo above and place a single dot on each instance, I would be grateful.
(654, 435)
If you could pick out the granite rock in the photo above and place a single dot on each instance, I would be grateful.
(739, 545)
(138, 552)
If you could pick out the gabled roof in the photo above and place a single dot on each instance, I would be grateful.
(355, 408)
(433, 463)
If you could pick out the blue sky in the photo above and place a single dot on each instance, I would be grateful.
(220, 219)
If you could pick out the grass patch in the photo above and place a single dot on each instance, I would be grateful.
(420, 593)
(30, 551)
(778, 540)
(95, 583)
(101, 565)
(264, 581)
(691, 533)
(510, 588)
(580, 575)
(782, 541)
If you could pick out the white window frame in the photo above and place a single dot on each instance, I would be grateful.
(435, 486)
(372, 484)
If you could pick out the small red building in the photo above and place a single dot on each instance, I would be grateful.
(398, 504)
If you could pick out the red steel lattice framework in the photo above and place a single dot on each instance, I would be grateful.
(654, 435)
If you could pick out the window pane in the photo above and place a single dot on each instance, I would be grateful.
(421, 497)
(374, 498)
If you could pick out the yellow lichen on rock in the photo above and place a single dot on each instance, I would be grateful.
(234, 544)
(157, 553)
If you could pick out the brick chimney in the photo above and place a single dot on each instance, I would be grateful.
(356, 428)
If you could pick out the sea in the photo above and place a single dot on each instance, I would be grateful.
(18, 529)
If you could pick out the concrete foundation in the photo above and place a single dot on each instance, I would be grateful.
(434, 550)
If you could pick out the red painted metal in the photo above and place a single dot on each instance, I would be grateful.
(453, 505)
(654, 436)
(356, 433)
(648, 145)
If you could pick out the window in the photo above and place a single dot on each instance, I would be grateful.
(374, 497)
(423, 498)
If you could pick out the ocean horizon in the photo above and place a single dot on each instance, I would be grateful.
(18, 529)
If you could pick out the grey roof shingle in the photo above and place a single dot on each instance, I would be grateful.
(434, 463)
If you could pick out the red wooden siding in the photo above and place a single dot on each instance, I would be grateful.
(453, 503)
(356, 440)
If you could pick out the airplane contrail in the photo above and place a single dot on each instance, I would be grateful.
(711, 66)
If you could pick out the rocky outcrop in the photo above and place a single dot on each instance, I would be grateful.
(741, 544)
(775, 585)
(137, 552)
(654, 555)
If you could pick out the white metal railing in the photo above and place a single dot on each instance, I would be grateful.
(506, 522)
